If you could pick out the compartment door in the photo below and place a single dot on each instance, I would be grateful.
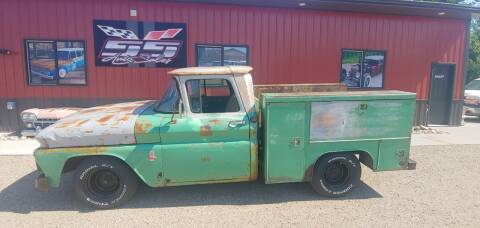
(285, 142)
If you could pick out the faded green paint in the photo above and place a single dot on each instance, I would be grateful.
(299, 129)
(175, 149)
(285, 142)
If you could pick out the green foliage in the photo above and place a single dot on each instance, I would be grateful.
(351, 57)
(473, 64)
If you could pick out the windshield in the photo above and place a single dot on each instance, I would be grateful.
(169, 101)
(473, 85)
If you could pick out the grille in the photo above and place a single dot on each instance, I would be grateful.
(43, 123)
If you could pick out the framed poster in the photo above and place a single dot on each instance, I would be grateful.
(140, 44)
(56, 62)
(363, 68)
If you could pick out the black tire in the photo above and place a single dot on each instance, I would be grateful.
(104, 183)
(336, 174)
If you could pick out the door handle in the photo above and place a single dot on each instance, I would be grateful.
(236, 123)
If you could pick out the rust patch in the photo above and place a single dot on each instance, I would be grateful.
(79, 150)
(81, 123)
(402, 159)
(307, 176)
(324, 120)
(68, 123)
(127, 108)
(281, 179)
(296, 88)
(214, 122)
(205, 159)
(253, 161)
(90, 110)
(124, 118)
(206, 130)
(105, 119)
(142, 127)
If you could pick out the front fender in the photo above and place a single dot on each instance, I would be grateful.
(52, 161)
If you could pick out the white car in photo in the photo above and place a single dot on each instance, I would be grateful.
(471, 106)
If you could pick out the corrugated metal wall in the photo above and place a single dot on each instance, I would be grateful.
(286, 45)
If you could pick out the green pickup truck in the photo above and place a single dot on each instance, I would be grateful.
(211, 127)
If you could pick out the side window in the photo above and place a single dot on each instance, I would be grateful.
(211, 96)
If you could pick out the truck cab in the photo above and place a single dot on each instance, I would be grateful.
(210, 116)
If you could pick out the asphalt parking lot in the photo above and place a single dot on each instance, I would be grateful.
(443, 191)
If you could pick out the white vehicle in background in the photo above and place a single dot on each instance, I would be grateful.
(471, 104)
(36, 119)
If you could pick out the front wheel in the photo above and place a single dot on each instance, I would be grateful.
(104, 183)
(336, 174)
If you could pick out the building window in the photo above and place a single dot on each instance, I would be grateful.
(222, 55)
(52, 62)
(363, 68)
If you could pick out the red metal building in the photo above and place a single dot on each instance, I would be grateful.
(408, 44)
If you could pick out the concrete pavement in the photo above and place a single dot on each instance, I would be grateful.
(468, 134)
(18, 147)
(443, 191)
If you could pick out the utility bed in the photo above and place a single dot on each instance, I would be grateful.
(300, 127)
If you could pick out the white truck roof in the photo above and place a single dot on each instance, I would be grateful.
(220, 70)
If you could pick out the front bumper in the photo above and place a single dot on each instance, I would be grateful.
(471, 111)
(41, 183)
(29, 132)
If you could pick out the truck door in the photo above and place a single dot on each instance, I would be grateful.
(285, 141)
(211, 143)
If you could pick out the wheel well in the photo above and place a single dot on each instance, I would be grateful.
(72, 163)
(363, 156)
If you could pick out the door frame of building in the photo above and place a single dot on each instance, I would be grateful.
(453, 68)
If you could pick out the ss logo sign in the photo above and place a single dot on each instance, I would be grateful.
(120, 52)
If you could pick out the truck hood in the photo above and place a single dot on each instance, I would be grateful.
(98, 126)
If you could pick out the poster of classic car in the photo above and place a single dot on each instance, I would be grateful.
(362, 69)
(56, 62)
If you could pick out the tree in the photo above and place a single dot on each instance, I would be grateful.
(473, 65)
(473, 62)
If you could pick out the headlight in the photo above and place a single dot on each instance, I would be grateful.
(28, 117)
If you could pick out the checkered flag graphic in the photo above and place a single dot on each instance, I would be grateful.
(122, 33)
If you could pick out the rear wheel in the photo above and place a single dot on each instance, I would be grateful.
(104, 183)
(336, 174)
